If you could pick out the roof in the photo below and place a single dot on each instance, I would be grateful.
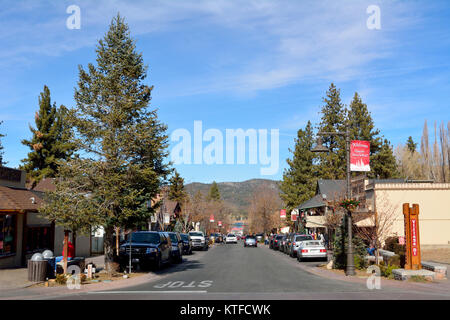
(333, 189)
(314, 202)
(46, 184)
(19, 199)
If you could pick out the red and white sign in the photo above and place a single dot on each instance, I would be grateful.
(359, 155)
(283, 213)
(414, 237)
(219, 223)
(211, 218)
(294, 215)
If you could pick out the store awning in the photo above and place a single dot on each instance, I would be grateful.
(366, 223)
(315, 222)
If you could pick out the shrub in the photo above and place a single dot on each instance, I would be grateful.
(340, 249)
(61, 279)
(386, 270)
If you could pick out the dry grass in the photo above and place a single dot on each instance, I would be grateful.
(441, 255)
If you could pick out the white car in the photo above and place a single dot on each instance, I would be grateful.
(311, 249)
(231, 238)
(198, 240)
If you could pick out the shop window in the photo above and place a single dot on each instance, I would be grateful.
(7, 234)
(38, 238)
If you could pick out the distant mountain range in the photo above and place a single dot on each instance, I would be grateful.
(236, 194)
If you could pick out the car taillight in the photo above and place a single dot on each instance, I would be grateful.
(304, 250)
(323, 250)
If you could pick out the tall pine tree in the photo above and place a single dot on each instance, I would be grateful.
(333, 116)
(176, 188)
(384, 165)
(214, 193)
(298, 184)
(412, 146)
(123, 144)
(50, 140)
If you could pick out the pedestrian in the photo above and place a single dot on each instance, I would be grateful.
(321, 238)
(325, 237)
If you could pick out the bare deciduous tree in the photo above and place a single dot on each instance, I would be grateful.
(264, 210)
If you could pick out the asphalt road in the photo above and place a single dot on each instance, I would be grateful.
(234, 272)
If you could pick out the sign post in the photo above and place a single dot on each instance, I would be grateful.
(411, 216)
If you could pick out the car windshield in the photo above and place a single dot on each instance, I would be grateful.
(173, 237)
(249, 237)
(231, 235)
(196, 234)
(184, 236)
(279, 237)
(145, 237)
(303, 238)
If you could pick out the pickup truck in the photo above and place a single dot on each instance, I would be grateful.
(198, 240)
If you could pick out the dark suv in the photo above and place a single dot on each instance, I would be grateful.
(148, 249)
(177, 246)
(187, 243)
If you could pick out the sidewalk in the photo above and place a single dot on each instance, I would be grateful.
(436, 287)
(17, 278)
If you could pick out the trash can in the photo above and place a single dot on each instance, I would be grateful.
(37, 268)
(51, 267)
(51, 263)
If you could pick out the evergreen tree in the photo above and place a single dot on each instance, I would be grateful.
(412, 146)
(362, 126)
(49, 142)
(298, 184)
(341, 247)
(333, 116)
(384, 165)
(2, 162)
(123, 143)
(214, 193)
(176, 188)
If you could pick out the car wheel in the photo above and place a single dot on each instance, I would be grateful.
(158, 264)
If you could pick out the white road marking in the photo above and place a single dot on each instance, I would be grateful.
(155, 291)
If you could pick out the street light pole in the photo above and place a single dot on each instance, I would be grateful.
(350, 269)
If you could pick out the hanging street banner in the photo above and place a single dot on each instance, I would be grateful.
(211, 218)
(219, 223)
(283, 213)
(359, 155)
(294, 215)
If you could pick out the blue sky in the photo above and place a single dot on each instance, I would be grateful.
(237, 64)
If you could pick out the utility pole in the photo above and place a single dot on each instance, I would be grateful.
(350, 269)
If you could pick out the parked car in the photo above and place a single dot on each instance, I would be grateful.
(311, 249)
(231, 238)
(187, 243)
(298, 239)
(250, 241)
(147, 249)
(271, 240)
(277, 241)
(289, 241)
(177, 247)
(259, 237)
(198, 240)
(217, 237)
(283, 243)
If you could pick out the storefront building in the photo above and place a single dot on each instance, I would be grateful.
(22, 231)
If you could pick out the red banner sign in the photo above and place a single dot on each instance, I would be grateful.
(219, 223)
(414, 250)
(211, 218)
(359, 155)
(283, 213)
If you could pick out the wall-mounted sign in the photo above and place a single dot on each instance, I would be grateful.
(359, 155)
